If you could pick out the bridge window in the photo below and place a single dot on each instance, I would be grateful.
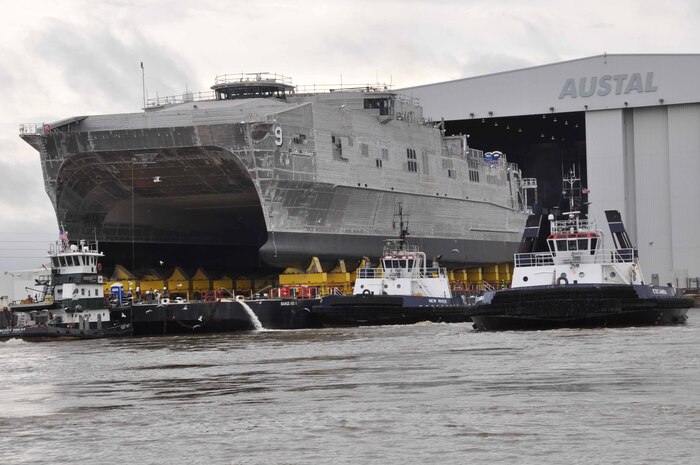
(384, 105)
(379, 163)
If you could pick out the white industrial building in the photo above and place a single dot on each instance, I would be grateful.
(642, 139)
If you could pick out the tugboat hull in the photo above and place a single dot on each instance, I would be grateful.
(579, 306)
(57, 333)
(372, 310)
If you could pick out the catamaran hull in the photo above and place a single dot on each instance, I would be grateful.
(237, 183)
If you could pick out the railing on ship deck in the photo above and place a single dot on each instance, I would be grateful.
(372, 273)
(581, 257)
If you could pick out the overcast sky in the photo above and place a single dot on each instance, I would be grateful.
(64, 58)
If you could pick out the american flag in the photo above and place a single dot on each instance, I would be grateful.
(63, 236)
(585, 190)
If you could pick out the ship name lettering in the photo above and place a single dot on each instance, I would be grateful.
(659, 291)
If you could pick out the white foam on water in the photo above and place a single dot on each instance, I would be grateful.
(257, 326)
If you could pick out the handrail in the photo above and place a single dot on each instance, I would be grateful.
(257, 77)
(32, 128)
(564, 226)
(374, 273)
(583, 257)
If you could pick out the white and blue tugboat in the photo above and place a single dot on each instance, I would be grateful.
(70, 302)
(403, 290)
(564, 277)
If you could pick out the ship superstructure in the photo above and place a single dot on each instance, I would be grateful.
(259, 168)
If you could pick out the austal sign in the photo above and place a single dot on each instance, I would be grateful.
(604, 85)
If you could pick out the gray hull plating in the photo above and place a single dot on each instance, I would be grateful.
(296, 178)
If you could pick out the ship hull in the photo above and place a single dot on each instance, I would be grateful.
(274, 182)
(292, 248)
(375, 310)
(216, 317)
(60, 333)
(579, 306)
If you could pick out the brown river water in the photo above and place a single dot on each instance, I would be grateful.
(420, 394)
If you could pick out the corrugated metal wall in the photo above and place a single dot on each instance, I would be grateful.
(684, 164)
(651, 168)
(645, 162)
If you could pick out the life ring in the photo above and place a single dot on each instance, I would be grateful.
(47, 128)
(562, 280)
(366, 292)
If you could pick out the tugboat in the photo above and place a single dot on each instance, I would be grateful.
(565, 278)
(70, 302)
(404, 290)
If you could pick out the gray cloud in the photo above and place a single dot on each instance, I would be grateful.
(55, 65)
(493, 63)
(105, 64)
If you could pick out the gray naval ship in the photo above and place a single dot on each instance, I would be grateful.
(259, 170)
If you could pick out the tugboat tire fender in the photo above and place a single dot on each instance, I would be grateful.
(562, 280)
(366, 292)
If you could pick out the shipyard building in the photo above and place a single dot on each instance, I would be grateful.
(630, 123)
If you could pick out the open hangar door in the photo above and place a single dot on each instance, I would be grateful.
(544, 146)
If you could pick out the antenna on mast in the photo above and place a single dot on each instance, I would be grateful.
(143, 84)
